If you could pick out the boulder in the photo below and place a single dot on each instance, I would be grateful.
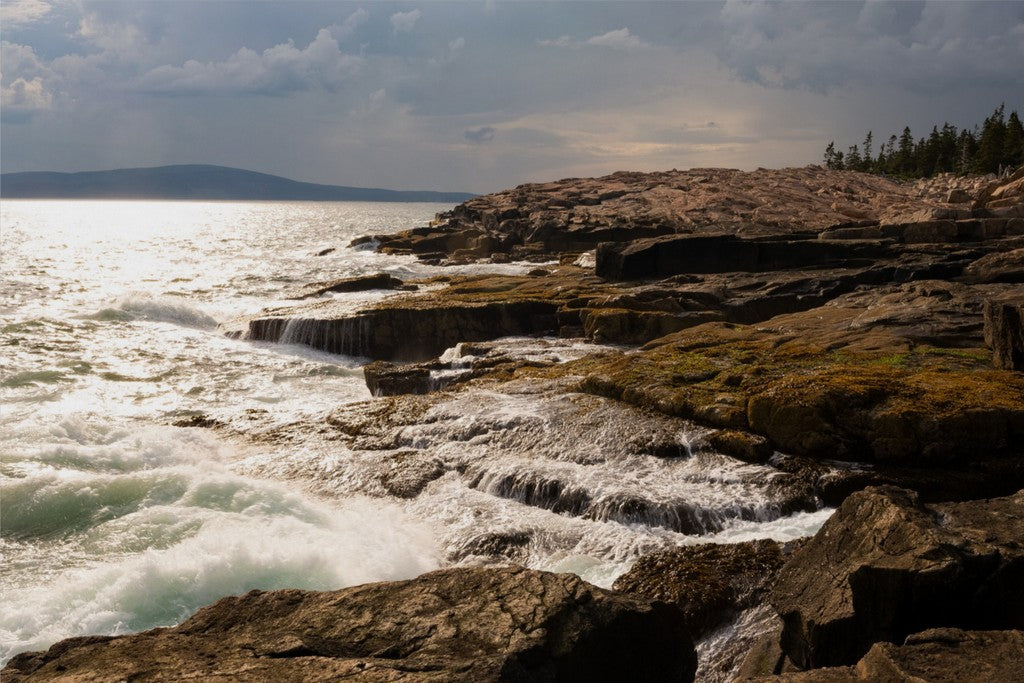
(958, 195)
(387, 379)
(361, 283)
(710, 583)
(469, 624)
(944, 654)
(1004, 334)
(885, 566)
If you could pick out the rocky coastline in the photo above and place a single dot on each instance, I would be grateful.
(861, 339)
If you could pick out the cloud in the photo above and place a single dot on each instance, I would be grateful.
(15, 12)
(23, 99)
(926, 47)
(276, 71)
(348, 28)
(403, 22)
(480, 135)
(24, 89)
(619, 39)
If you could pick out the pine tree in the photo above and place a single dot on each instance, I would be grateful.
(967, 149)
(905, 153)
(928, 156)
(990, 144)
(946, 162)
(997, 144)
(830, 156)
(853, 159)
(1013, 145)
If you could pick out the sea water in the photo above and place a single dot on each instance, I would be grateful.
(118, 515)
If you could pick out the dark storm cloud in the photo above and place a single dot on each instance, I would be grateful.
(386, 94)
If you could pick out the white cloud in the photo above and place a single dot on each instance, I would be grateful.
(619, 39)
(276, 71)
(114, 38)
(403, 22)
(26, 84)
(23, 98)
(14, 12)
(349, 26)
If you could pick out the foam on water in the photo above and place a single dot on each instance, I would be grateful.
(141, 528)
(157, 309)
(114, 521)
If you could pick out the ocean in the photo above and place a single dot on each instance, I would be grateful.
(118, 516)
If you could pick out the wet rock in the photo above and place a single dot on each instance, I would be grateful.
(452, 625)
(406, 473)
(944, 654)
(710, 583)
(885, 566)
(200, 420)
(354, 284)
(741, 445)
(1004, 334)
(405, 331)
(387, 379)
(504, 546)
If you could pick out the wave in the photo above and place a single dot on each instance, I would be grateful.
(154, 545)
(158, 309)
(231, 554)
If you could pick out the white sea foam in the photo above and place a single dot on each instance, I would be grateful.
(184, 540)
(158, 309)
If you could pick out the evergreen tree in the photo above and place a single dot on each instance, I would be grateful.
(1013, 145)
(967, 149)
(853, 159)
(946, 161)
(996, 145)
(928, 156)
(830, 157)
(990, 144)
(905, 153)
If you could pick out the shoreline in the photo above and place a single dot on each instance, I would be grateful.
(857, 332)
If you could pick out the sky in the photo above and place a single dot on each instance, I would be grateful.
(481, 95)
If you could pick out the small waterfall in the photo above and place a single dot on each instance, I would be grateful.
(533, 488)
(690, 507)
(345, 336)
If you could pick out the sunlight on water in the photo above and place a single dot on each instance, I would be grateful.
(150, 464)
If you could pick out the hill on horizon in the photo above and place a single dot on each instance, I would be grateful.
(197, 181)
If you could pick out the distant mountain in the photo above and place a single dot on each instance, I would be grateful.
(197, 182)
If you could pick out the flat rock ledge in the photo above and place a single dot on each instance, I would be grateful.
(469, 624)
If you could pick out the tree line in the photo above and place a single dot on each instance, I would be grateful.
(994, 146)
